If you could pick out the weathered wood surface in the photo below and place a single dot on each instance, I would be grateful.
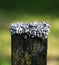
(30, 51)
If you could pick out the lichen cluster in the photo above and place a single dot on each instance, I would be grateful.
(31, 29)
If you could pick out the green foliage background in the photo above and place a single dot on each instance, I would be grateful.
(29, 11)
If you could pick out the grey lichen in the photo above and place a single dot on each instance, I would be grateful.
(31, 29)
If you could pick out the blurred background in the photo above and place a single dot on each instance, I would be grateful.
(29, 11)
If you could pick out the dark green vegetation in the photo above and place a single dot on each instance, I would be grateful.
(44, 6)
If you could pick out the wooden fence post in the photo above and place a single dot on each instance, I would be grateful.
(28, 48)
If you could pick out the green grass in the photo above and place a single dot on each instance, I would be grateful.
(5, 60)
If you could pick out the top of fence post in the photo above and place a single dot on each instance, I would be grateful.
(29, 43)
(32, 29)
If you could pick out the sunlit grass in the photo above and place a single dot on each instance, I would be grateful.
(53, 46)
(5, 44)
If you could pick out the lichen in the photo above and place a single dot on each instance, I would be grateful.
(31, 29)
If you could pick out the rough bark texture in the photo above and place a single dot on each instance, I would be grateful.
(30, 51)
